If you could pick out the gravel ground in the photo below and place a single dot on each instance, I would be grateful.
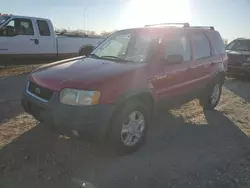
(186, 148)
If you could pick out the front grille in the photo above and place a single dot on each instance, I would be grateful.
(39, 91)
(235, 59)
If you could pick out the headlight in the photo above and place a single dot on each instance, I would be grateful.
(79, 97)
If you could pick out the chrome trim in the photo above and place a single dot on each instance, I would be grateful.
(33, 95)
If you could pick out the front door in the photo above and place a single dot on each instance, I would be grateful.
(18, 41)
(173, 79)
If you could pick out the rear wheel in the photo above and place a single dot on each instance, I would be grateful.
(212, 97)
(129, 127)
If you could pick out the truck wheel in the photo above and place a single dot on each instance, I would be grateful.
(212, 96)
(129, 127)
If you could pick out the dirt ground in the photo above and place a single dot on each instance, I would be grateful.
(186, 147)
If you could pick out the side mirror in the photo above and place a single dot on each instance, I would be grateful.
(8, 31)
(174, 59)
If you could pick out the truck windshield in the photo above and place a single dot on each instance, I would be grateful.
(127, 45)
(239, 45)
(3, 19)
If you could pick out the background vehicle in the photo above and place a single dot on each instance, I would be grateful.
(28, 39)
(114, 92)
(239, 57)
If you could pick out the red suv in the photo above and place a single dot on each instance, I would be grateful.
(115, 90)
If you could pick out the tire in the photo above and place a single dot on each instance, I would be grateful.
(121, 127)
(212, 96)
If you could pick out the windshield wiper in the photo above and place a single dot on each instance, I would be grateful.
(109, 57)
(115, 58)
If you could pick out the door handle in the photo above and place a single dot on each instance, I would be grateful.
(36, 41)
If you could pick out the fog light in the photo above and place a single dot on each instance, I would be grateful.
(75, 133)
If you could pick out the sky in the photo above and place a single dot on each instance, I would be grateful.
(229, 17)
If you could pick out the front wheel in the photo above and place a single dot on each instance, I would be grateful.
(129, 127)
(212, 96)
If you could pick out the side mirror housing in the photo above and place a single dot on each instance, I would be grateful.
(174, 59)
(8, 31)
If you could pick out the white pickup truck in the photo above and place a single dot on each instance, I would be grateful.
(28, 39)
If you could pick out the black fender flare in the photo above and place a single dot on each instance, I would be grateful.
(220, 75)
(138, 93)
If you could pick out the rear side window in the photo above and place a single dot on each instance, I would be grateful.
(217, 42)
(202, 48)
(178, 45)
(43, 27)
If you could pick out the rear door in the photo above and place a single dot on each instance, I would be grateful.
(202, 58)
(47, 39)
(172, 80)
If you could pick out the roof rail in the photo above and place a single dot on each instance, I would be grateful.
(184, 24)
(203, 27)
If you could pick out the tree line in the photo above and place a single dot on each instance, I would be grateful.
(84, 32)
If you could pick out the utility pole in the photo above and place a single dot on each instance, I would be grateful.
(84, 18)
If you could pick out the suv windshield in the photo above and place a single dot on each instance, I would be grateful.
(3, 19)
(127, 45)
(239, 45)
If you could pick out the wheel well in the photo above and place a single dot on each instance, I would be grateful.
(86, 50)
(145, 98)
(221, 77)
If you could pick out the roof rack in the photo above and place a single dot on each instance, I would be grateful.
(184, 24)
(203, 27)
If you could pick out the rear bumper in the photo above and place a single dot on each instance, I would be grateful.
(89, 121)
(238, 70)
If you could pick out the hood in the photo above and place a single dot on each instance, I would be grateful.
(80, 73)
(232, 52)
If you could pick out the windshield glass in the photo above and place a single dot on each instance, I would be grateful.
(128, 45)
(3, 19)
(239, 45)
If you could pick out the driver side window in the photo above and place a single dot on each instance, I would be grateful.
(18, 26)
(178, 45)
(11, 23)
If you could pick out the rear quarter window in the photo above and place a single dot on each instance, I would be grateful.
(201, 45)
(217, 42)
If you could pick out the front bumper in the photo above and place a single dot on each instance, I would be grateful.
(88, 121)
(238, 70)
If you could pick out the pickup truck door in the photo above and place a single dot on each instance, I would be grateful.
(47, 39)
(173, 79)
(20, 40)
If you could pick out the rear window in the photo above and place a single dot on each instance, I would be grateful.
(43, 27)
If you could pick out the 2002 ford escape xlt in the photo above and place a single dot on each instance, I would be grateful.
(114, 91)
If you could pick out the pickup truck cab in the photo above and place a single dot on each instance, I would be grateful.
(29, 39)
(115, 91)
